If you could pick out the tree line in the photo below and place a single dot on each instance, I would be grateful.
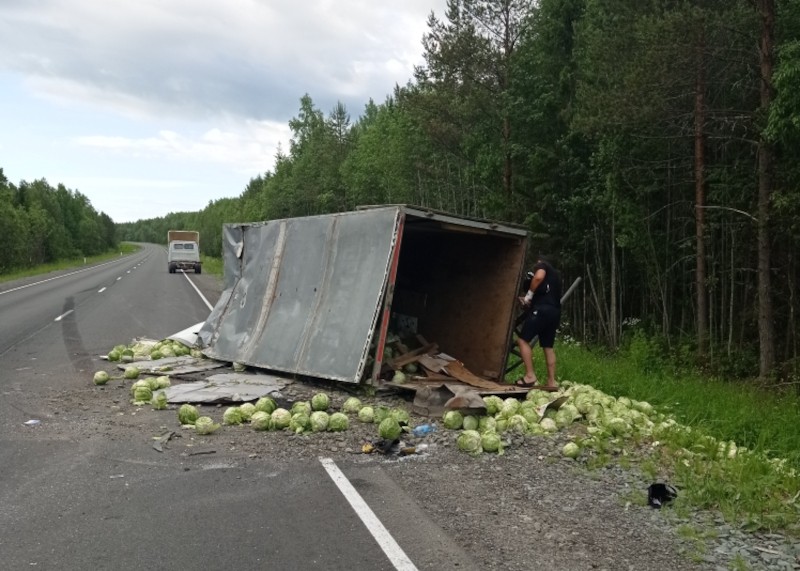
(647, 144)
(42, 224)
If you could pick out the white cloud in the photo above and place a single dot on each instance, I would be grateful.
(158, 90)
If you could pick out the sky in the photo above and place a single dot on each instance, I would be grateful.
(155, 106)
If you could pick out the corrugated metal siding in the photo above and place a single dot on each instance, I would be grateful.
(304, 295)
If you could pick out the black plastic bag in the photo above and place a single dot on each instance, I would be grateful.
(659, 494)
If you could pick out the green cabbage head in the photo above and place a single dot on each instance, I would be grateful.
(320, 401)
(491, 442)
(366, 414)
(469, 441)
(188, 414)
(266, 404)
(247, 409)
(260, 420)
(389, 429)
(204, 425)
(338, 422)
(453, 420)
(232, 415)
(319, 421)
(299, 423)
(351, 406)
(101, 378)
(281, 418)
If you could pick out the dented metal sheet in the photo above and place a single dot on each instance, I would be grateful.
(303, 294)
(175, 365)
(226, 387)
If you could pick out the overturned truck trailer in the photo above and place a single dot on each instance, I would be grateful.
(316, 296)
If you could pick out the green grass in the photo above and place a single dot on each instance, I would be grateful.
(758, 490)
(74, 263)
(212, 265)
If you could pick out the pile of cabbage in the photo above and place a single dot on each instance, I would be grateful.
(608, 419)
(265, 415)
(144, 349)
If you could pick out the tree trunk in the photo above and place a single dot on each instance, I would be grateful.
(700, 199)
(765, 158)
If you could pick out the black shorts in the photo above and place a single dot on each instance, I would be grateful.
(543, 321)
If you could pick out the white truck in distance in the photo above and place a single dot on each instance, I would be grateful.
(183, 251)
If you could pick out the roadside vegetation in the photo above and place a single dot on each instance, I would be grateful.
(734, 447)
(69, 264)
(212, 265)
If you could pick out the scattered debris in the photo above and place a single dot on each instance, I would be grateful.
(32, 422)
(158, 445)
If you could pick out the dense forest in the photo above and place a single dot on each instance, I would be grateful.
(40, 224)
(647, 144)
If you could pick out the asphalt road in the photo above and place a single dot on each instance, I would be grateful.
(89, 500)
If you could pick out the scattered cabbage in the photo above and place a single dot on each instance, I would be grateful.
(469, 441)
(389, 429)
(571, 450)
(517, 424)
(162, 382)
(156, 355)
(453, 420)
(493, 404)
(266, 404)
(338, 422)
(470, 422)
(126, 356)
(487, 424)
(491, 442)
(501, 425)
(301, 406)
(260, 420)
(509, 407)
(247, 409)
(204, 425)
(232, 415)
(114, 355)
(351, 406)
(131, 373)
(239, 367)
(159, 400)
(400, 415)
(152, 383)
(366, 414)
(142, 395)
(167, 351)
(281, 418)
(319, 421)
(410, 368)
(399, 377)
(617, 426)
(381, 413)
(320, 401)
(187, 414)
(101, 378)
(299, 423)
(548, 424)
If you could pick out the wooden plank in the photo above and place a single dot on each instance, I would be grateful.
(412, 356)
(460, 372)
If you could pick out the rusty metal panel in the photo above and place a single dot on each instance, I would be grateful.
(304, 293)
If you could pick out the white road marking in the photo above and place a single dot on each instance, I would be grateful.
(119, 278)
(63, 315)
(210, 307)
(101, 290)
(393, 551)
(57, 277)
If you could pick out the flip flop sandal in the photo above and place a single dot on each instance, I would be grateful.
(523, 385)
